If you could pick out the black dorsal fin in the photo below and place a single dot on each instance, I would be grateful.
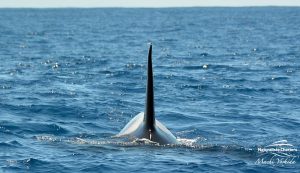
(149, 117)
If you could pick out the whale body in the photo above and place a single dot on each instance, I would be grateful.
(144, 125)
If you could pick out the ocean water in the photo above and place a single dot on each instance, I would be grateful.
(227, 83)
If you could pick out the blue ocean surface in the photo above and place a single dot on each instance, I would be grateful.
(227, 85)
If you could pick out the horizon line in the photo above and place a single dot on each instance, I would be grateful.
(150, 7)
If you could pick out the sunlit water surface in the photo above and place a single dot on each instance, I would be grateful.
(226, 84)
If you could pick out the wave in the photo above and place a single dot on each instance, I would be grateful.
(32, 164)
(10, 144)
(126, 142)
(33, 128)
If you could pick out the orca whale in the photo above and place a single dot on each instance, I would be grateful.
(144, 125)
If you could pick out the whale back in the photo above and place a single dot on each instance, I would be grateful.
(137, 128)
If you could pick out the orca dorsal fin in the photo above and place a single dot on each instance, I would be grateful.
(149, 116)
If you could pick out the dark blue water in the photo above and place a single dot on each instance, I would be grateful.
(226, 83)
